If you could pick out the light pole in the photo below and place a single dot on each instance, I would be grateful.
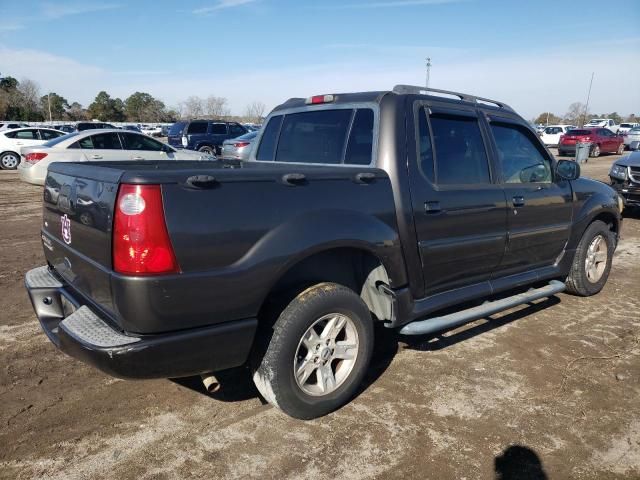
(49, 104)
(586, 107)
(428, 71)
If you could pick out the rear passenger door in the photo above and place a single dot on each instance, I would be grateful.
(25, 138)
(459, 211)
(539, 205)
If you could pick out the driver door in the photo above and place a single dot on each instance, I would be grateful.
(539, 207)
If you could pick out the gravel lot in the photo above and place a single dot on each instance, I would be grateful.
(550, 388)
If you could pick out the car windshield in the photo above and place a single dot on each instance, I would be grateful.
(597, 120)
(55, 141)
(579, 132)
(635, 130)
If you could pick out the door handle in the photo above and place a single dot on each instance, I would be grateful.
(137, 158)
(97, 157)
(19, 143)
(518, 201)
(432, 207)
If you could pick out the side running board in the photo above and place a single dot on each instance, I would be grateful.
(456, 319)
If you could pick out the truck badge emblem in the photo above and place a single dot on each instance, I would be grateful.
(66, 229)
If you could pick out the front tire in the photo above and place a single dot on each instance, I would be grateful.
(319, 352)
(9, 161)
(592, 260)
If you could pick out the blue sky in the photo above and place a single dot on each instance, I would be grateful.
(535, 55)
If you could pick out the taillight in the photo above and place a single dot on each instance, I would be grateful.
(141, 244)
(586, 139)
(240, 144)
(35, 157)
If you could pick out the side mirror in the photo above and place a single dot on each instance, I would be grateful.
(567, 169)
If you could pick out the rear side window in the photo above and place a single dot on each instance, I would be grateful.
(197, 127)
(177, 128)
(267, 148)
(460, 154)
(30, 134)
(49, 134)
(102, 141)
(425, 151)
(360, 146)
(218, 128)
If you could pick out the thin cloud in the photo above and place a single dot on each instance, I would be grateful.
(10, 27)
(391, 4)
(54, 10)
(221, 5)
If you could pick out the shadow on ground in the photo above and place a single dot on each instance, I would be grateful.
(519, 463)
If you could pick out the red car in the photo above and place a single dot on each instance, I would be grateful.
(603, 140)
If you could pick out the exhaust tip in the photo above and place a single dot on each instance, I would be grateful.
(211, 383)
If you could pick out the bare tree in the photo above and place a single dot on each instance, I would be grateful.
(29, 97)
(577, 111)
(216, 107)
(255, 111)
(193, 107)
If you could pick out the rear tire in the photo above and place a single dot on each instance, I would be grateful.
(620, 149)
(318, 354)
(9, 160)
(592, 261)
(206, 149)
(595, 151)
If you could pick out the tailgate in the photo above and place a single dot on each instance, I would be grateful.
(76, 230)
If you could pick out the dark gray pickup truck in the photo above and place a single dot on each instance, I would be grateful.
(384, 207)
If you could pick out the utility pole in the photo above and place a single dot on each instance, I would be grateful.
(586, 107)
(49, 103)
(428, 71)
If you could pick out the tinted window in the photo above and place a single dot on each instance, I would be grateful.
(359, 148)
(579, 132)
(30, 134)
(425, 152)
(269, 140)
(460, 153)
(102, 141)
(197, 127)
(49, 134)
(177, 128)
(235, 129)
(218, 128)
(521, 158)
(314, 137)
(552, 130)
(132, 141)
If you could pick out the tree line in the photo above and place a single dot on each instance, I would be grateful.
(578, 115)
(22, 100)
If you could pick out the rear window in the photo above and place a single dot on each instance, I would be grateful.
(219, 129)
(54, 142)
(320, 136)
(197, 127)
(579, 132)
(248, 136)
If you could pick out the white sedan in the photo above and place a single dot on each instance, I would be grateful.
(11, 141)
(98, 145)
(632, 136)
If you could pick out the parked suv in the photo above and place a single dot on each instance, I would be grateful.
(604, 123)
(354, 210)
(204, 135)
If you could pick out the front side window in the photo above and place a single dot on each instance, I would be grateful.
(50, 134)
(460, 154)
(521, 159)
(133, 141)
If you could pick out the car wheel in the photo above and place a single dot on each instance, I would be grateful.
(592, 260)
(319, 352)
(620, 149)
(206, 149)
(9, 160)
(595, 151)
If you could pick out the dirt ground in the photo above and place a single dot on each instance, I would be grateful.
(544, 391)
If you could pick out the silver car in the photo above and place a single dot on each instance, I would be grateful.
(631, 138)
(238, 148)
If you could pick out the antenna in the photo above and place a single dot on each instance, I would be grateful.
(586, 107)
(428, 71)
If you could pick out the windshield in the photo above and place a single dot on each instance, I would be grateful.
(597, 120)
(56, 141)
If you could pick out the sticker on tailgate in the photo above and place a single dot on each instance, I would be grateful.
(66, 229)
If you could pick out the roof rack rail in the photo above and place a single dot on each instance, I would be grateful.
(465, 97)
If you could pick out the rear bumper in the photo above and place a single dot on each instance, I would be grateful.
(30, 174)
(81, 333)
